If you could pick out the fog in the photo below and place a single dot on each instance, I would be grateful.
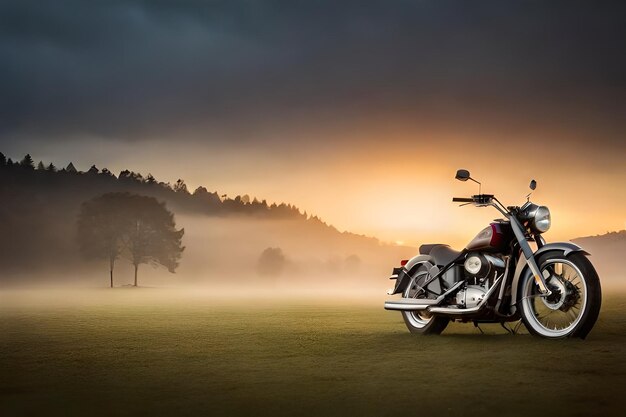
(232, 244)
(222, 256)
(224, 252)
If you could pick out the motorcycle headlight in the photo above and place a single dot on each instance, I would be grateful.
(541, 220)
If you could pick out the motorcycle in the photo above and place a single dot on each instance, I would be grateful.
(552, 288)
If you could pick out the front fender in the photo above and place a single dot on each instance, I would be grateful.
(521, 269)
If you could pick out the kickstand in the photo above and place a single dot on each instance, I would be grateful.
(478, 327)
(508, 330)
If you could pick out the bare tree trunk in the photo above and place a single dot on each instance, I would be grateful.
(112, 261)
(136, 267)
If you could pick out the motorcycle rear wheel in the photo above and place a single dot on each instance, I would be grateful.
(574, 305)
(420, 322)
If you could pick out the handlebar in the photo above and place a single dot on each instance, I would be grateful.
(482, 200)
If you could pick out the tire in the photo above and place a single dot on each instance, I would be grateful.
(574, 305)
(420, 322)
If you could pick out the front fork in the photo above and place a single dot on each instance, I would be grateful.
(528, 254)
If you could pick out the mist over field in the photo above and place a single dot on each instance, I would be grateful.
(228, 242)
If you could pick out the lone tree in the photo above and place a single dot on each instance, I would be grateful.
(152, 237)
(102, 223)
(138, 227)
(271, 263)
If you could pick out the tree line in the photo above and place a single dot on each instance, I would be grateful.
(176, 194)
(41, 202)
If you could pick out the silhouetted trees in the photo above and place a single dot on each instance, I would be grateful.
(102, 223)
(177, 195)
(27, 162)
(138, 227)
(181, 187)
(152, 237)
(106, 173)
(39, 212)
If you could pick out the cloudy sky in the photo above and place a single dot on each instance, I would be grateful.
(359, 111)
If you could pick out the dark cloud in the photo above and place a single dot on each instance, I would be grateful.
(138, 69)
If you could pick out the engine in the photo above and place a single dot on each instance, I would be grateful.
(481, 270)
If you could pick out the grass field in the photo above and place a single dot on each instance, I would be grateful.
(145, 352)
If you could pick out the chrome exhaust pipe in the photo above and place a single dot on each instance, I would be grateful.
(418, 304)
(409, 304)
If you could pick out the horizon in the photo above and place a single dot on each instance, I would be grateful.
(79, 166)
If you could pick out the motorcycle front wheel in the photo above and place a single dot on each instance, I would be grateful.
(572, 308)
(421, 322)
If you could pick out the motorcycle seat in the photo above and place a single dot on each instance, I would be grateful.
(442, 254)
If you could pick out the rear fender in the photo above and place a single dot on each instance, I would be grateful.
(522, 270)
(403, 275)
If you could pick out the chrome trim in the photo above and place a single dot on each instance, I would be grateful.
(409, 304)
(528, 254)
(417, 304)
(463, 311)
(497, 262)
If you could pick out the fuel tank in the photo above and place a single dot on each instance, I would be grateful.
(494, 238)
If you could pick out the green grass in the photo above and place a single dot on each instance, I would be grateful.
(196, 355)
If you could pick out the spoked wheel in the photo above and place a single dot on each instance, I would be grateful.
(420, 321)
(573, 306)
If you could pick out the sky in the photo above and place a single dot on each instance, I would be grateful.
(357, 111)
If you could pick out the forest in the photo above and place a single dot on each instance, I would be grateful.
(41, 205)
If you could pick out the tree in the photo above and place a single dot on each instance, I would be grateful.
(51, 168)
(130, 176)
(102, 224)
(27, 162)
(3, 160)
(40, 166)
(93, 170)
(106, 173)
(181, 187)
(271, 262)
(152, 237)
(137, 227)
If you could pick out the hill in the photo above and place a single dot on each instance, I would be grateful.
(607, 253)
(40, 205)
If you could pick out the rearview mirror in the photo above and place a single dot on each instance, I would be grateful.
(462, 175)
(533, 184)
